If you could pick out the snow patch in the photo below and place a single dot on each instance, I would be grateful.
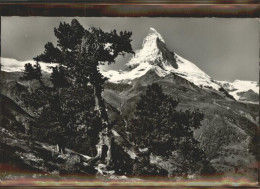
(239, 86)
(192, 73)
(13, 65)
(118, 76)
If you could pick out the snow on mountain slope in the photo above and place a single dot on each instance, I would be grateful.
(155, 55)
(192, 73)
(123, 76)
(151, 52)
(13, 65)
(240, 86)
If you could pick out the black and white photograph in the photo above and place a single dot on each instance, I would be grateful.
(92, 100)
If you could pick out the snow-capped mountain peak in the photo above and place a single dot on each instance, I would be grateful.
(152, 51)
(156, 56)
(152, 36)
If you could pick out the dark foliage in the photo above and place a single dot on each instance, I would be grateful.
(32, 72)
(159, 127)
(72, 111)
(143, 167)
(58, 77)
(122, 162)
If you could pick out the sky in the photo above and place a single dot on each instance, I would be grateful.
(224, 48)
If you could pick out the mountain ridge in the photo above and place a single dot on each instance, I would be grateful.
(154, 55)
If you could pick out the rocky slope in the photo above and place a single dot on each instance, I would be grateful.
(18, 152)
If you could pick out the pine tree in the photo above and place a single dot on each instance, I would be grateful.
(37, 71)
(58, 77)
(158, 127)
(32, 72)
(150, 125)
(78, 53)
(28, 72)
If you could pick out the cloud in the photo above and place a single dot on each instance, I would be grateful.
(13, 65)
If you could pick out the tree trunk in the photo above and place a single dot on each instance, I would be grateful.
(100, 107)
(105, 136)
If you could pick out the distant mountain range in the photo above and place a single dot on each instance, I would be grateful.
(154, 55)
(244, 91)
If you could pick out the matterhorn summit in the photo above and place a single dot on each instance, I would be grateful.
(152, 36)
(154, 55)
